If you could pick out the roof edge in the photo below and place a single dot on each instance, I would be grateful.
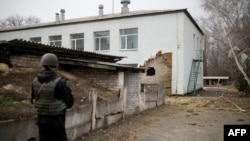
(105, 17)
(193, 21)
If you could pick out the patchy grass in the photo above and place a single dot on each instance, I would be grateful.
(15, 90)
(13, 109)
(10, 102)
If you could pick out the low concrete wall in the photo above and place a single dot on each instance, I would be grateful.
(154, 95)
(108, 108)
(18, 130)
(80, 120)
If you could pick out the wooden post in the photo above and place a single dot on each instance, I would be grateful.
(93, 96)
(124, 99)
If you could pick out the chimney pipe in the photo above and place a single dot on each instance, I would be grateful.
(125, 8)
(62, 14)
(101, 7)
(57, 17)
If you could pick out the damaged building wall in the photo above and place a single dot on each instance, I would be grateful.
(161, 65)
(27, 61)
(106, 78)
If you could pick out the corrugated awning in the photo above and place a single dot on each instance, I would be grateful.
(18, 46)
(67, 56)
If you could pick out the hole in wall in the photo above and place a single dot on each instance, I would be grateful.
(150, 71)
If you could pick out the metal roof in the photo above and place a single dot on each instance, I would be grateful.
(97, 64)
(67, 56)
(104, 17)
(18, 46)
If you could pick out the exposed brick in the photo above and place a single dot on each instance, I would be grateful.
(25, 61)
(162, 64)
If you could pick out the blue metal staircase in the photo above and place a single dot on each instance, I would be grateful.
(194, 73)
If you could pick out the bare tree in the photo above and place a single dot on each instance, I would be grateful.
(32, 20)
(18, 20)
(227, 26)
(216, 61)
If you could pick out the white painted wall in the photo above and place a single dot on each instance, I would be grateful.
(177, 55)
(154, 33)
(193, 43)
(171, 32)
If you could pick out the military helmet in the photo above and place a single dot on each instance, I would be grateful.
(49, 59)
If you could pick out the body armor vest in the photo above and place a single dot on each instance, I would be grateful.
(46, 103)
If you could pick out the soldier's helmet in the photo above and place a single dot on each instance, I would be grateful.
(49, 59)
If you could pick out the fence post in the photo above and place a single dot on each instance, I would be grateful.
(93, 95)
(124, 100)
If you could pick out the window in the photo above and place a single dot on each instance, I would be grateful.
(102, 40)
(55, 40)
(77, 41)
(36, 39)
(129, 38)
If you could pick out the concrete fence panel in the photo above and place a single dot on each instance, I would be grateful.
(154, 95)
(18, 130)
(78, 121)
(106, 108)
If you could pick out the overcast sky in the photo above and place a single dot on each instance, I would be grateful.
(46, 9)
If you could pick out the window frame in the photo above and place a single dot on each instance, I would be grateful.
(53, 42)
(125, 37)
(40, 41)
(74, 40)
(107, 37)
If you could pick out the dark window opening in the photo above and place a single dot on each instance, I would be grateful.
(150, 71)
(142, 87)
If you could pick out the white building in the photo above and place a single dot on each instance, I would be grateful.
(137, 35)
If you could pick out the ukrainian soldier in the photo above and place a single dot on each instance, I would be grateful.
(52, 97)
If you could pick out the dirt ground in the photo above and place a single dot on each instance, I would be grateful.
(196, 118)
